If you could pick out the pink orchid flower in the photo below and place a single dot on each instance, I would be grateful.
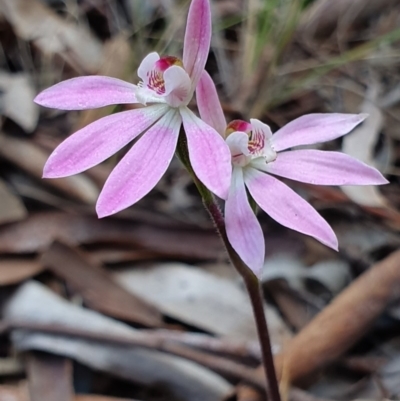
(258, 156)
(167, 85)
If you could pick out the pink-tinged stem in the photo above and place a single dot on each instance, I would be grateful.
(255, 293)
(250, 279)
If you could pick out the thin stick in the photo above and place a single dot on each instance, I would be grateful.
(219, 364)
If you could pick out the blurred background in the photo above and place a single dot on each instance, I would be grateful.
(144, 305)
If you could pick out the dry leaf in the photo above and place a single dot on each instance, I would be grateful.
(12, 366)
(38, 231)
(190, 294)
(30, 158)
(34, 21)
(332, 274)
(13, 393)
(16, 99)
(19, 393)
(90, 397)
(13, 271)
(360, 144)
(336, 328)
(98, 288)
(36, 304)
(11, 206)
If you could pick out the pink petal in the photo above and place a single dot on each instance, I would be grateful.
(197, 39)
(209, 154)
(288, 208)
(177, 86)
(209, 106)
(242, 227)
(324, 168)
(142, 167)
(87, 93)
(98, 141)
(315, 128)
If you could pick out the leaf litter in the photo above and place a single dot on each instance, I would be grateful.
(135, 307)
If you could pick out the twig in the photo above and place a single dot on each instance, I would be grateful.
(221, 365)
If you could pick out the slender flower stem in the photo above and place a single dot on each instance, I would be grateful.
(254, 290)
(255, 293)
(251, 281)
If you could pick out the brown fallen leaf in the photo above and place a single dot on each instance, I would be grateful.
(13, 393)
(30, 158)
(38, 231)
(296, 312)
(341, 323)
(13, 271)
(330, 194)
(49, 378)
(16, 99)
(247, 393)
(33, 21)
(89, 397)
(118, 255)
(11, 206)
(361, 144)
(20, 393)
(34, 303)
(98, 288)
(191, 295)
(11, 366)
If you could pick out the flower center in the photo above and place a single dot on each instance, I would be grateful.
(257, 144)
(155, 76)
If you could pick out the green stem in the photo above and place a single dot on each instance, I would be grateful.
(250, 279)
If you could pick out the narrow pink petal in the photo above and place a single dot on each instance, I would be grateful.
(177, 86)
(324, 168)
(288, 208)
(209, 154)
(197, 39)
(87, 93)
(98, 141)
(142, 167)
(208, 103)
(242, 227)
(315, 128)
